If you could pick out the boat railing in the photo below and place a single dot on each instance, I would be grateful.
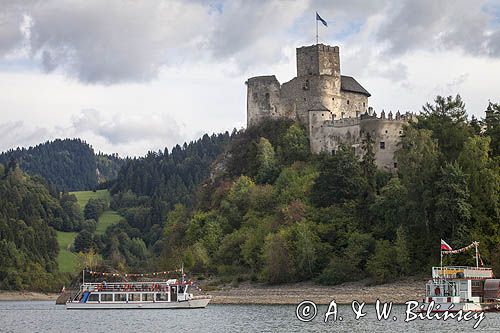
(461, 272)
(441, 288)
(127, 286)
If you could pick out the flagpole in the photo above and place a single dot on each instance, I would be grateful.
(441, 251)
(316, 28)
(477, 257)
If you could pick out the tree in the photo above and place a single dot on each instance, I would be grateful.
(402, 252)
(382, 265)
(447, 119)
(417, 158)
(276, 258)
(452, 200)
(83, 241)
(492, 124)
(340, 179)
(368, 165)
(94, 208)
(389, 210)
(306, 249)
(266, 160)
(295, 145)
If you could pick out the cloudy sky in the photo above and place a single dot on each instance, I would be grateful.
(132, 76)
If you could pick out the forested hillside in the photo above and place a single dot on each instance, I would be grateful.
(67, 165)
(147, 189)
(28, 245)
(279, 214)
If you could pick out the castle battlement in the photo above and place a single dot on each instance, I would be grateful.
(333, 107)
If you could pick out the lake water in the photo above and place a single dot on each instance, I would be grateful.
(48, 317)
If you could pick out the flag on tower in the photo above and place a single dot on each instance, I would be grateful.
(445, 246)
(318, 18)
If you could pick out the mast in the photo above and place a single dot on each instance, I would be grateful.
(477, 255)
(83, 276)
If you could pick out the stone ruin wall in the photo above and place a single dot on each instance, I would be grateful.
(327, 134)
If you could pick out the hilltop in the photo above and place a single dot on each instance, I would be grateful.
(66, 164)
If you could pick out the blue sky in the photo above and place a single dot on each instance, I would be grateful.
(133, 76)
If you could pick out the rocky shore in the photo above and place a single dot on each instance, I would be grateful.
(26, 296)
(247, 293)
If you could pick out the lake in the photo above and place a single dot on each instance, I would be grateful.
(16, 316)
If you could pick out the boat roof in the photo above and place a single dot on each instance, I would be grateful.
(462, 272)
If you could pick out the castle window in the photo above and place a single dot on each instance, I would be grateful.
(400, 132)
(395, 165)
(347, 102)
(382, 145)
(305, 99)
(333, 98)
(364, 104)
(267, 96)
(385, 131)
(334, 151)
(306, 85)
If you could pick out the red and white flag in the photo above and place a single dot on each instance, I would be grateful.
(445, 246)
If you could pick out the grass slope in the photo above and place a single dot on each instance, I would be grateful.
(84, 196)
(66, 258)
(107, 219)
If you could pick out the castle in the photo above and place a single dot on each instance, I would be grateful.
(333, 107)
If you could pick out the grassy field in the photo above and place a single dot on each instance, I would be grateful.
(84, 196)
(66, 258)
(107, 219)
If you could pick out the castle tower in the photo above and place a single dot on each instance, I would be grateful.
(318, 59)
(263, 99)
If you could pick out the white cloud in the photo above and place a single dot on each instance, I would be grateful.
(132, 76)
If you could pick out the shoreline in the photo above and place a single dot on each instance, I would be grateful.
(8, 295)
(397, 292)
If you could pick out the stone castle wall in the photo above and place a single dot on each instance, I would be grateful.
(327, 134)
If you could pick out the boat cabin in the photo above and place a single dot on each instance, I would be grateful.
(130, 292)
(455, 284)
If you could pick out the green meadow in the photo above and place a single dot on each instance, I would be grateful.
(66, 258)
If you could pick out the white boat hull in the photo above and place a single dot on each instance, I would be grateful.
(472, 307)
(190, 304)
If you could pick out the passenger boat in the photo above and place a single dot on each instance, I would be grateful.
(170, 294)
(455, 288)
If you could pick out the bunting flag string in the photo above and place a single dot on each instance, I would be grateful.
(463, 249)
(132, 274)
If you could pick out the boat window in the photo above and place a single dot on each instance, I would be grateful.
(120, 297)
(147, 297)
(162, 297)
(134, 297)
(106, 297)
(181, 289)
(93, 298)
